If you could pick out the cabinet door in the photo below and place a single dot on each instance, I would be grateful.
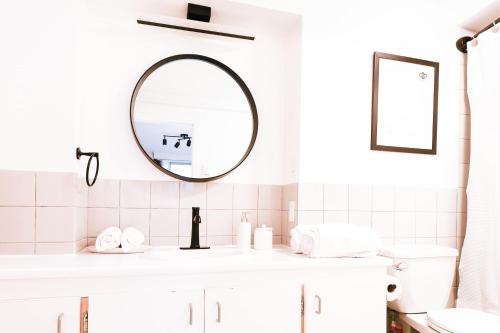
(159, 312)
(52, 315)
(352, 301)
(267, 309)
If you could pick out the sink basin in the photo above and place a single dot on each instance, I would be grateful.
(212, 253)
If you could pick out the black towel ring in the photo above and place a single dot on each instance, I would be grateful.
(79, 154)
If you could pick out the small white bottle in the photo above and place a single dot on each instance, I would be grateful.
(244, 233)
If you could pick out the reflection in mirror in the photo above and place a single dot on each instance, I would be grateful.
(404, 114)
(193, 117)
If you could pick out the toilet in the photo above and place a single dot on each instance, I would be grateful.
(426, 275)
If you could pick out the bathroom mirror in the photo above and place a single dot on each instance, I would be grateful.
(404, 104)
(193, 117)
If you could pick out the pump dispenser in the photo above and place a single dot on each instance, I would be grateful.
(244, 233)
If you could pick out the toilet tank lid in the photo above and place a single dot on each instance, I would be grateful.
(418, 251)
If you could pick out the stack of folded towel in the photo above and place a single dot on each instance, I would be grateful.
(112, 237)
(335, 240)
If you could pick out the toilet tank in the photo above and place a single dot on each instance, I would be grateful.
(426, 275)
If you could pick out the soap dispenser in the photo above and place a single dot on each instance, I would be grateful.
(244, 233)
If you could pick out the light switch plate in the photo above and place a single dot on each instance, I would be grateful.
(291, 211)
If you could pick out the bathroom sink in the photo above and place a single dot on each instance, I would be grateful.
(174, 253)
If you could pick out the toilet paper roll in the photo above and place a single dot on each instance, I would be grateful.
(393, 288)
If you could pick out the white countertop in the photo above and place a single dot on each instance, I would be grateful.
(168, 261)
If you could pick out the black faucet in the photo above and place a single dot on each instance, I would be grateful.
(195, 231)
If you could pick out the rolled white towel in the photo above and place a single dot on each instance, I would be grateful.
(338, 240)
(110, 238)
(131, 239)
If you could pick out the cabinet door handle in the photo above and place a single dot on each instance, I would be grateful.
(219, 310)
(190, 314)
(59, 322)
(318, 306)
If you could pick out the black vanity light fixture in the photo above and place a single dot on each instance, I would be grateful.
(196, 13)
(164, 140)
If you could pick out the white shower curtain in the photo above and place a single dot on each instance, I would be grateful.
(479, 271)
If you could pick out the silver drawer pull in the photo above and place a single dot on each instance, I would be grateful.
(318, 302)
(219, 310)
(59, 322)
(190, 314)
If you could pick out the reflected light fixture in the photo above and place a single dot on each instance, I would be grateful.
(180, 137)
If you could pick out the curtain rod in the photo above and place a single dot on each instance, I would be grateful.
(462, 42)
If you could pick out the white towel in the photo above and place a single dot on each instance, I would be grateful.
(131, 239)
(335, 240)
(110, 238)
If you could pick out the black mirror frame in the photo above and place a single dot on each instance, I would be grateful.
(231, 73)
(376, 60)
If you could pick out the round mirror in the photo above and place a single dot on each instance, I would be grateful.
(193, 117)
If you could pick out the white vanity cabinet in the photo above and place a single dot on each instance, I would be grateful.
(275, 308)
(218, 291)
(51, 315)
(345, 301)
(151, 312)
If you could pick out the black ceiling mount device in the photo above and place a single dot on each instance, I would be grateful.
(199, 12)
(462, 43)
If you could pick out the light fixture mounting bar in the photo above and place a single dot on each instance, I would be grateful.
(202, 31)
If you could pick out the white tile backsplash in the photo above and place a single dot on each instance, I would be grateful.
(335, 216)
(310, 197)
(164, 223)
(135, 194)
(193, 195)
(269, 197)
(336, 197)
(105, 194)
(404, 200)
(360, 197)
(17, 188)
(404, 224)
(165, 195)
(447, 224)
(17, 224)
(220, 196)
(245, 196)
(162, 210)
(360, 218)
(219, 223)
(447, 200)
(426, 224)
(56, 224)
(56, 189)
(137, 218)
(383, 199)
(425, 200)
(383, 224)
(101, 218)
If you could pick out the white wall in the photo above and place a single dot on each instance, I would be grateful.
(37, 85)
(54, 65)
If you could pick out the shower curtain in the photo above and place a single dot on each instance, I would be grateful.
(479, 269)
